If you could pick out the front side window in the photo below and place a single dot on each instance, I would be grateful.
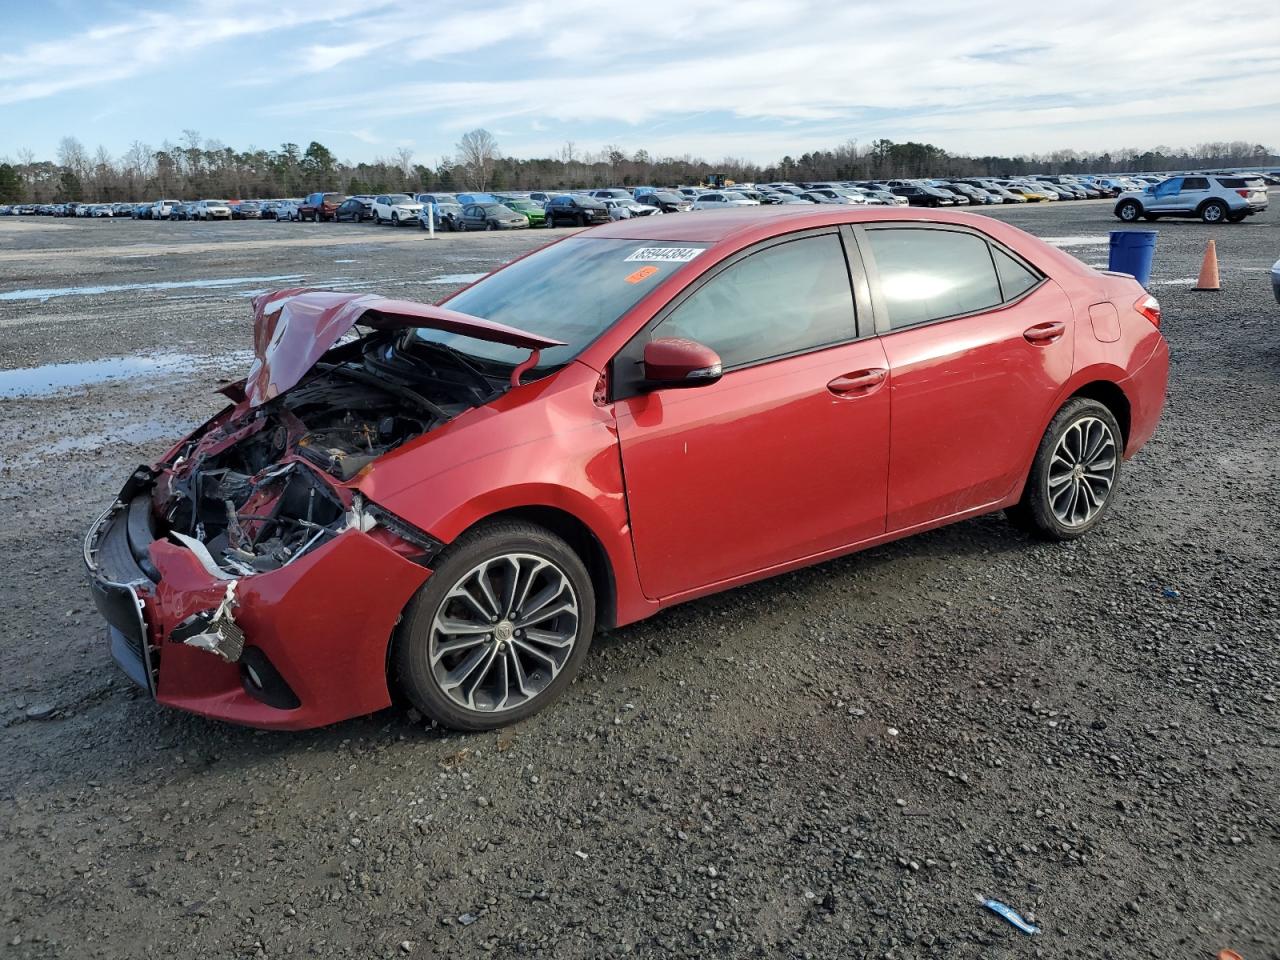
(931, 274)
(787, 298)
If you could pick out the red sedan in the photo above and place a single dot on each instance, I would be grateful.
(450, 504)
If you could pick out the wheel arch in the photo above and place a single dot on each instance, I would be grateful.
(581, 539)
(1112, 396)
(1098, 383)
(1127, 200)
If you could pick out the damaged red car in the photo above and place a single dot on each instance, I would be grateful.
(449, 500)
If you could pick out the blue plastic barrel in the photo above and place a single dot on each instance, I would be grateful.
(1132, 251)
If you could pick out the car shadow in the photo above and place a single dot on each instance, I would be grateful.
(122, 734)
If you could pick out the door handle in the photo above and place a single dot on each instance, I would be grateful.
(1043, 334)
(859, 383)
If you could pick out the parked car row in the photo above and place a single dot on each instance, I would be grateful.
(1217, 196)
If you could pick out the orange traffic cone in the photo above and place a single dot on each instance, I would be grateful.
(1209, 270)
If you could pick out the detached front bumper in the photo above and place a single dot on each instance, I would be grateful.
(315, 631)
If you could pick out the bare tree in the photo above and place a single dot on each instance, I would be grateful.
(73, 156)
(404, 160)
(477, 151)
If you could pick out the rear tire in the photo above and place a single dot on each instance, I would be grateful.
(1074, 475)
(436, 617)
(1129, 210)
(1215, 211)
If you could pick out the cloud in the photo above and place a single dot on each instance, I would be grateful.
(111, 52)
(746, 76)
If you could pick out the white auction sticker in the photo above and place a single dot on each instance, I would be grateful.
(665, 254)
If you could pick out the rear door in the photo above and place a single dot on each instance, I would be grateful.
(979, 344)
(784, 458)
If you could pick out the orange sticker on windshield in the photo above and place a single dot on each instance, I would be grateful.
(644, 273)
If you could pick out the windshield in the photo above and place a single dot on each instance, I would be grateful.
(571, 291)
(400, 198)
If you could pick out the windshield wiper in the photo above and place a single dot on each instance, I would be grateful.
(464, 363)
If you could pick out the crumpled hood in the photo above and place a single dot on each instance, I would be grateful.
(292, 329)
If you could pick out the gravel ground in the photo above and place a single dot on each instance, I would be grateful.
(835, 763)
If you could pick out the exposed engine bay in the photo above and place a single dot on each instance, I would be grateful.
(257, 488)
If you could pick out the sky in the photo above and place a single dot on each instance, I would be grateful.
(753, 79)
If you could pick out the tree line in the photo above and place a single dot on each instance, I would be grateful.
(197, 167)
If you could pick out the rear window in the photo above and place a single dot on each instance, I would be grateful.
(334, 197)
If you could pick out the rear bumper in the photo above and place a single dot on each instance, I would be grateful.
(1146, 389)
(316, 630)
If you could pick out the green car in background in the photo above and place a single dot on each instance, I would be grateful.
(532, 211)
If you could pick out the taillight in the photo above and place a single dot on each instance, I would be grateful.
(1243, 193)
(1149, 307)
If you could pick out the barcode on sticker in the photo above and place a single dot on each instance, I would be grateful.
(665, 254)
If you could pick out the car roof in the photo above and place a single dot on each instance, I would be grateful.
(748, 224)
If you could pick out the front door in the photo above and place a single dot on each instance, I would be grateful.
(786, 457)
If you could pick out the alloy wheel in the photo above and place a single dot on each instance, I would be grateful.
(1082, 471)
(504, 632)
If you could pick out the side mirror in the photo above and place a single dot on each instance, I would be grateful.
(675, 362)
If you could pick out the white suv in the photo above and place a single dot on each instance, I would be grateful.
(163, 209)
(1211, 198)
(212, 210)
(396, 208)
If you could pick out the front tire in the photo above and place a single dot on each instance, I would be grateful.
(1129, 211)
(1215, 211)
(500, 629)
(1074, 475)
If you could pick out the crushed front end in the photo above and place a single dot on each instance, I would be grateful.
(278, 618)
(244, 576)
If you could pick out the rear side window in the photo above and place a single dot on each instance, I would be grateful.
(932, 274)
(1195, 183)
(1015, 279)
(786, 299)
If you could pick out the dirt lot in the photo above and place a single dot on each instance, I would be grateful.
(835, 763)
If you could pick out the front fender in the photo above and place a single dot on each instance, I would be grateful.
(554, 447)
